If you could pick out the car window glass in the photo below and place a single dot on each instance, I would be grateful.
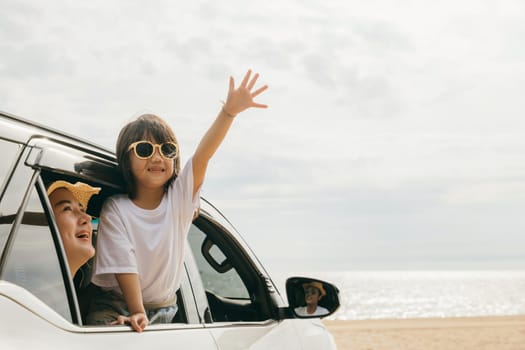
(226, 284)
(32, 261)
(9, 152)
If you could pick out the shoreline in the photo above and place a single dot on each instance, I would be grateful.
(461, 333)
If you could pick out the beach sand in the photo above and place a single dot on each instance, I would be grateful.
(480, 333)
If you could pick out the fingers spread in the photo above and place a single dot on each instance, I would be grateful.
(252, 82)
(259, 105)
(241, 97)
(232, 85)
(246, 78)
(259, 90)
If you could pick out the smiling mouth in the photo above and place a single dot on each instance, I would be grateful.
(83, 235)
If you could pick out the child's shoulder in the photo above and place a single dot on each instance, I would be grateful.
(116, 200)
(119, 197)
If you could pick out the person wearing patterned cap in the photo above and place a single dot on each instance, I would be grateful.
(69, 203)
(313, 292)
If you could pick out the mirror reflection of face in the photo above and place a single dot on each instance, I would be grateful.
(312, 295)
(74, 226)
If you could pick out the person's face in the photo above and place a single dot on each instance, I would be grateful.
(152, 172)
(74, 226)
(312, 295)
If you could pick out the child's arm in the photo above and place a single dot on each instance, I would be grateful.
(130, 286)
(238, 100)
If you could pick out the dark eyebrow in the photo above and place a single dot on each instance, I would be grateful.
(64, 201)
(67, 201)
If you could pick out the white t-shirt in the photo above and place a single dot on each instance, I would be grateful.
(319, 311)
(147, 242)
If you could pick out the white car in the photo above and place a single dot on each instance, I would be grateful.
(227, 300)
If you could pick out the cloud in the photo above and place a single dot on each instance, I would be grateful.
(491, 193)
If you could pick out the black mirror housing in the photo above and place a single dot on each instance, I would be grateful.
(309, 297)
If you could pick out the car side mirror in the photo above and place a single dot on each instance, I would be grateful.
(310, 297)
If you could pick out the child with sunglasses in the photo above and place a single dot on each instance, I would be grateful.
(141, 239)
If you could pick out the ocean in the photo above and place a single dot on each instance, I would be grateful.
(418, 294)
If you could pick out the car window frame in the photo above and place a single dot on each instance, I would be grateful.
(18, 197)
(250, 270)
(35, 184)
(74, 305)
(10, 168)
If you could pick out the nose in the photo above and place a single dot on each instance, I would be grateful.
(84, 217)
(156, 154)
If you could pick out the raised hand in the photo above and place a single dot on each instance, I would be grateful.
(241, 98)
(238, 100)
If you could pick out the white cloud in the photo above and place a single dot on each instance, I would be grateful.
(491, 193)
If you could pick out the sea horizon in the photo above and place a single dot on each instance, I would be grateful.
(402, 294)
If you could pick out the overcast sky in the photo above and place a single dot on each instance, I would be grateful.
(394, 139)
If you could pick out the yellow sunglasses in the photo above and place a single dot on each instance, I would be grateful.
(145, 149)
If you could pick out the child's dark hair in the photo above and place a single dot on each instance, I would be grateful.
(150, 127)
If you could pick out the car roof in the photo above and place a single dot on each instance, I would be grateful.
(21, 130)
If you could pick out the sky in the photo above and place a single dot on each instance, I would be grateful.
(393, 138)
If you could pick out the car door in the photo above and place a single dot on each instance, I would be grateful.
(241, 307)
(38, 298)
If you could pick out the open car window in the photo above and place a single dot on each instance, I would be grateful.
(86, 291)
(32, 261)
(217, 273)
(234, 291)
